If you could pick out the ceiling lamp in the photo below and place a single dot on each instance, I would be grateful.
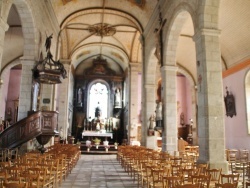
(49, 71)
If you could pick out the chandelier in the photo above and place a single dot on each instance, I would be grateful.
(49, 71)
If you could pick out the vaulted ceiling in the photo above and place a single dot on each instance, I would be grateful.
(112, 28)
(102, 27)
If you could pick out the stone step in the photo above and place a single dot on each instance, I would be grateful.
(101, 149)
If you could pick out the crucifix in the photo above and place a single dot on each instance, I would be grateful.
(158, 36)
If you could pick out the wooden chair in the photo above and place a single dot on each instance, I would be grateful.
(14, 185)
(247, 184)
(225, 185)
(176, 169)
(188, 173)
(230, 178)
(157, 175)
(32, 180)
(215, 175)
(202, 180)
(15, 173)
(203, 167)
(172, 181)
(243, 155)
(188, 186)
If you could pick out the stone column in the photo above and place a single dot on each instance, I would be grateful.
(3, 28)
(25, 100)
(133, 101)
(149, 109)
(63, 101)
(170, 132)
(211, 126)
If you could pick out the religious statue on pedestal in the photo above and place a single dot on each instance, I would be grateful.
(158, 112)
(117, 98)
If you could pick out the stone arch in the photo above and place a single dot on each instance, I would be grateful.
(28, 28)
(5, 74)
(180, 14)
(193, 98)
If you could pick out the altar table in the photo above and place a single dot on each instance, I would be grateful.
(97, 134)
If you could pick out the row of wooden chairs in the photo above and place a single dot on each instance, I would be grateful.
(160, 169)
(36, 170)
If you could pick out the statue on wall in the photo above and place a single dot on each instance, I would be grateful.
(79, 97)
(8, 115)
(182, 121)
(151, 125)
(117, 98)
(158, 112)
(98, 111)
(230, 104)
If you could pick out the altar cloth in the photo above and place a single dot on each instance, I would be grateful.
(97, 134)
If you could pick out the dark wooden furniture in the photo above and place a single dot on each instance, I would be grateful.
(39, 125)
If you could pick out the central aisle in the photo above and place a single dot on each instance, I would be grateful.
(98, 171)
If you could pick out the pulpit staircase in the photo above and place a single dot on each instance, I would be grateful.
(40, 125)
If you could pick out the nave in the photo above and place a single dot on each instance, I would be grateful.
(94, 171)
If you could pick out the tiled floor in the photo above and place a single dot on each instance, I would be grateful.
(94, 171)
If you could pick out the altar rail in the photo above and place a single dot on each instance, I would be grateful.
(40, 125)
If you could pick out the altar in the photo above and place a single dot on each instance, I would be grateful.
(96, 134)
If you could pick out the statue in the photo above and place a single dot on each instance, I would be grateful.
(79, 96)
(48, 43)
(158, 112)
(182, 121)
(151, 131)
(8, 115)
(98, 111)
(61, 133)
(152, 122)
(117, 98)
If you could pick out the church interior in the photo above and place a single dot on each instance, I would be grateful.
(161, 74)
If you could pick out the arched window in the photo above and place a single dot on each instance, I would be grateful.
(98, 98)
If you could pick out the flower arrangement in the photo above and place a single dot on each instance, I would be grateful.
(88, 144)
(106, 145)
(97, 142)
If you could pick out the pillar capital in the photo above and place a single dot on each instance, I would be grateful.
(207, 32)
(134, 66)
(169, 68)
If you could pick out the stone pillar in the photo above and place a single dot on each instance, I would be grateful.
(134, 118)
(25, 100)
(170, 132)
(3, 28)
(211, 135)
(63, 105)
(149, 109)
